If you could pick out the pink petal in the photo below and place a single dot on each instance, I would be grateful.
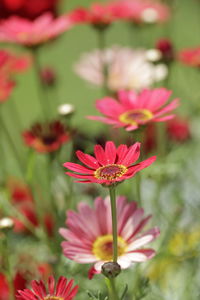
(132, 155)
(109, 107)
(77, 168)
(110, 152)
(87, 160)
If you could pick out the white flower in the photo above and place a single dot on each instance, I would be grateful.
(125, 68)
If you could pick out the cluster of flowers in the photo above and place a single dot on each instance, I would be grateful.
(95, 235)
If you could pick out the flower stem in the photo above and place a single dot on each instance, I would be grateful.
(114, 222)
(112, 289)
(138, 189)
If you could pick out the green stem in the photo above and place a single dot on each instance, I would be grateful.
(114, 222)
(138, 189)
(112, 289)
(12, 145)
(161, 139)
(41, 92)
(8, 268)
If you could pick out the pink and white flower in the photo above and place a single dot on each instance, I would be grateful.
(89, 234)
(131, 110)
(126, 68)
(32, 33)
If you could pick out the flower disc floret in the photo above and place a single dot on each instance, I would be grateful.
(110, 172)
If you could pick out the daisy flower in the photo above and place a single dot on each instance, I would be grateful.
(110, 165)
(61, 291)
(32, 33)
(190, 57)
(89, 234)
(46, 137)
(126, 68)
(131, 110)
(137, 11)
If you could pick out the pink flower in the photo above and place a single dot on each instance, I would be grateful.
(190, 57)
(89, 234)
(178, 129)
(109, 166)
(132, 110)
(6, 88)
(11, 63)
(137, 11)
(62, 290)
(32, 33)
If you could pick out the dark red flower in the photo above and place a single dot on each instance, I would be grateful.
(19, 283)
(48, 76)
(29, 9)
(166, 48)
(46, 137)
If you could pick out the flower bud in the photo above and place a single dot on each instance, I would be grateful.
(111, 269)
(6, 223)
(66, 109)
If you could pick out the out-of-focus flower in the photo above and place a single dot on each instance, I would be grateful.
(33, 33)
(6, 87)
(125, 68)
(154, 55)
(190, 57)
(19, 282)
(89, 234)
(10, 65)
(30, 9)
(98, 14)
(110, 165)
(48, 76)
(6, 223)
(178, 129)
(62, 290)
(132, 110)
(66, 109)
(165, 46)
(22, 200)
(137, 11)
(46, 137)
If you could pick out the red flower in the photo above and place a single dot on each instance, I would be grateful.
(165, 46)
(19, 283)
(6, 88)
(109, 166)
(22, 199)
(46, 137)
(30, 9)
(178, 129)
(48, 76)
(62, 290)
(98, 14)
(133, 110)
(190, 57)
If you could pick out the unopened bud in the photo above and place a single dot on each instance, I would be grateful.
(66, 109)
(111, 269)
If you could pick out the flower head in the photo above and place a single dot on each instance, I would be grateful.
(166, 47)
(191, 57)
(131, 110)
(89, 234)
(126, 68)
(61, 291)
(30, 9)
(32, 33)
(137, 11)
(110, 165)
(46, 137)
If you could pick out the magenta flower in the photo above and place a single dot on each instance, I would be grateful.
(89, 234)
(32, 33)
(62, 290)
(132, 110)
(109, 166)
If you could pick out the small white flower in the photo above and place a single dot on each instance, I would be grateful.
(6, 223)
(149, 15)
(66, 109)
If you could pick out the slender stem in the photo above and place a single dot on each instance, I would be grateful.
(101, 46)
(138, 188)
(161, 139)
(112, 289)
(114, 222)
(41, 94)
(12, 145)
(8, 267)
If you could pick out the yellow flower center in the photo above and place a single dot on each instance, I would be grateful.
(136, 116)
(53, 298)
(110, 172)
(103, 247)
